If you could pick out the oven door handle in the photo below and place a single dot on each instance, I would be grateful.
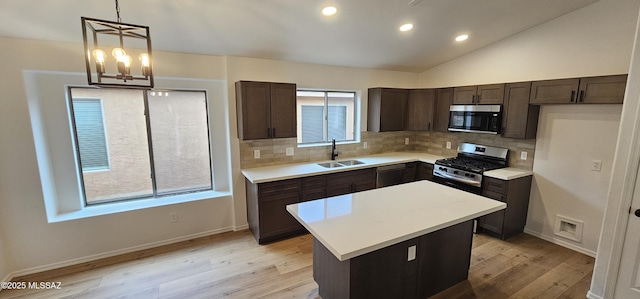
(468, 182)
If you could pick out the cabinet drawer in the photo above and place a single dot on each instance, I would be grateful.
(279, 188)
(494, 195)
(495, 185)
(314, 182)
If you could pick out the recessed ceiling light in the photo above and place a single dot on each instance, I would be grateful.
(462, 37)
(329, 10)
(406, 27)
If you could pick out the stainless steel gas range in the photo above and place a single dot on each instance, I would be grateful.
(465, 171)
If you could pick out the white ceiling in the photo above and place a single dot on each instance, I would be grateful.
(364, 33)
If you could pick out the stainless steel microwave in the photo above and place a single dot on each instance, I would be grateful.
(475, 118)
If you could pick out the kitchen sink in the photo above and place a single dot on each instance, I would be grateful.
(350, 162)
(330, 164)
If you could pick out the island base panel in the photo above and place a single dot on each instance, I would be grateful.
(442, 260)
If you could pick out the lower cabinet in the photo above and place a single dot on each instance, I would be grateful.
(410, 173)
(425, 171)
(266, 209)
(510, 221)
(416, 268)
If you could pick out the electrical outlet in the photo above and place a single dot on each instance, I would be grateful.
(448, 144)
(365, 145)
(256, 154)
(406, 141)
(596, 165)
(173, 217)
(523, 155)
(289, 151)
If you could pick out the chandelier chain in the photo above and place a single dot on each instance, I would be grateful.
(118, 11)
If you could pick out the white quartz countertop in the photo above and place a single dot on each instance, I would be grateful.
(291, 171)
(355, 224)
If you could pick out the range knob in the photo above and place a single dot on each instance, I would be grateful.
(455, 172)
(443, 168)
(472, 175)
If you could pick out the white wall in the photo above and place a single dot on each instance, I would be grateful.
(29, 242)
(595, 40)
(4, 267)
(570, 137)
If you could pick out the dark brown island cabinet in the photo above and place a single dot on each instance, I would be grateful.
(589, 90)
(480, 94)
(425, 171)
(266, 202)
(387, 109)
(510, 221)
(266, 110)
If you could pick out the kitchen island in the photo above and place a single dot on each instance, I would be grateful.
(405, 241)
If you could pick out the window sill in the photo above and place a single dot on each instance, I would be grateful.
(327, 143)
(138, 204)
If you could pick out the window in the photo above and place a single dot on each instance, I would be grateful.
(326, 115)
(90, 132)
(147, 144)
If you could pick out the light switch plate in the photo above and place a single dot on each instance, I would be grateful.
(411, 253)
(448, 144)
(289, 151)
(406, 141)
(523, 155)
(365, 145)
(256, 154)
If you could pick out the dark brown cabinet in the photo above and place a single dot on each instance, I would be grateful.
(266, 110)
(444, 99)
(589, 90)
(314, 187)
(519, 118)
(425, 171)
(410, 173)
(266, 209)
(420, 109)
(480, 94)
(510, 221)
(351, 181)
(387, 109)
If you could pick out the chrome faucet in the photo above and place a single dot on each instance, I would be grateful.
(334, 153)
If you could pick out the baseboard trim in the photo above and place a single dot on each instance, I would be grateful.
(561, 243)
(95, 257)
(593, 296)
(241, 227)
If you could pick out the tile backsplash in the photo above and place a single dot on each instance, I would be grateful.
(273, 151)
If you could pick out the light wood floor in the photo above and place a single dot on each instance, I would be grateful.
(233, 265)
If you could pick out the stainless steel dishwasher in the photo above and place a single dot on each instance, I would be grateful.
(389, 175)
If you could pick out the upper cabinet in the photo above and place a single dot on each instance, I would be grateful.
(480, 94)
(420, 108)
(444, 98)
(519, 119)
(387, 109)
(266, 110)
(591, 90)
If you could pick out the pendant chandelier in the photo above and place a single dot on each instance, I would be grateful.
(109, 48)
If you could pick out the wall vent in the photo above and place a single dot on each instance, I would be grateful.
(568, 228)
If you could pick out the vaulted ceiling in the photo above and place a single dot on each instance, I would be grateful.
(363, 33)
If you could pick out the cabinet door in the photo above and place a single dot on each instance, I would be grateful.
(254, 109)
(393, 104)
(491, 94)
(351, 181)
(283, 110)
(274, 217)
(519, 119)
(444, 98)
(464, 95)
(420, 110)
(494, 221)
(425, 171)
(410, 173)
(602, 90)
(314, 187)
(554, 91)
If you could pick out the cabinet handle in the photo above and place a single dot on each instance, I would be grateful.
(580, 96)
(273, 134)
(268, 132)
(429, 127)
(573, 93)
(477, 99)
(473, 99)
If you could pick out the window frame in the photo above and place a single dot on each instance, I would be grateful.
(325, 121)
(155, 194)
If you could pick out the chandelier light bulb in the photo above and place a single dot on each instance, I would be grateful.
(119, 54)
(144, 59)
(127, 60)
(99, 55)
